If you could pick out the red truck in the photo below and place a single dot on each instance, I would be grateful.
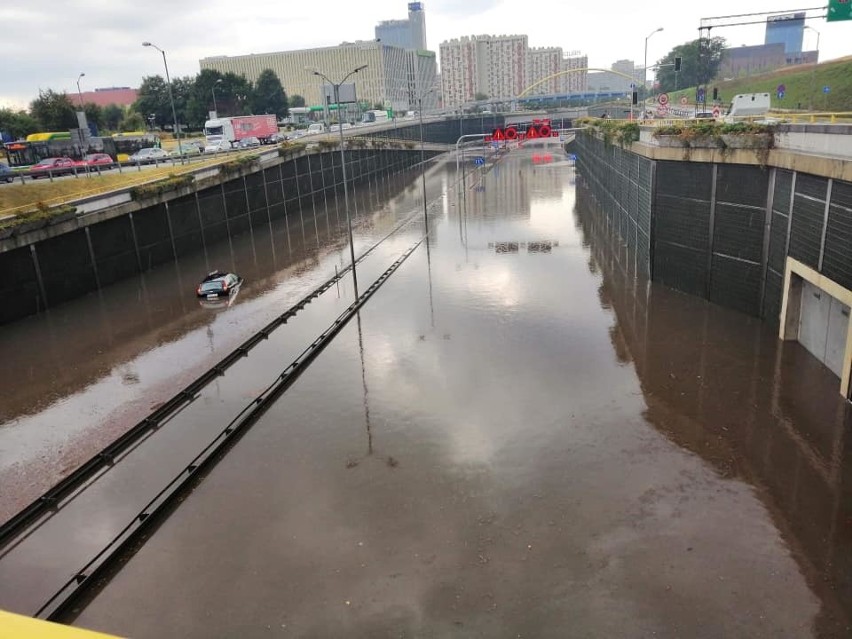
(232, 130)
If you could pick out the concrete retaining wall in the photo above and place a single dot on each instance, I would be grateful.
(720, 230)
(93, 251)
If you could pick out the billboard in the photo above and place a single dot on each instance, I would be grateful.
(347, 93)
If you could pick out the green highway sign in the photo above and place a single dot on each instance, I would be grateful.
(839, 10)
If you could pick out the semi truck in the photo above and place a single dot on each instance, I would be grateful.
(232, 130)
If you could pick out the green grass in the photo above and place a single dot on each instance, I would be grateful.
(799, 82)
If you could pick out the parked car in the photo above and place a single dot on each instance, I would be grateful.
(218, 284)
(102, 160)
(248, 143)
(218, 147)
(191, 147)
(52, 166)
(6, 174)
(147, 156)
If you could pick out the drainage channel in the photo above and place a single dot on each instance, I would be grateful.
(50, 584)
(52, 500)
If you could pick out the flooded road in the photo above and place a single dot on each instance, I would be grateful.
(77, 377)
(515, 437)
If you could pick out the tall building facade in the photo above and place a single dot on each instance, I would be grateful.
(386, 80)
(787, 29)
(422, 73)
(502, 67)
(542, 64)
(459, 71)
(495, 66)
(575, 75)
(406, 34)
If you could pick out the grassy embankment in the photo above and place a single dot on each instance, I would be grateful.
(803, 85)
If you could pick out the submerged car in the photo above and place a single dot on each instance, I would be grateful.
(218, 284)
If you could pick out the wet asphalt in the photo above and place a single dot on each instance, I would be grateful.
(516, 436)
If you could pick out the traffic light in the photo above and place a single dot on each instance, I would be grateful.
(678, 63)
(715, 93)
(635, 97)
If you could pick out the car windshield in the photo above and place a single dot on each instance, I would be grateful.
(214, 285)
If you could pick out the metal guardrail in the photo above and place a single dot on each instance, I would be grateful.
(144, 177)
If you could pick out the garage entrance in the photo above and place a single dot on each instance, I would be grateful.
(815, 312)
(823, 325)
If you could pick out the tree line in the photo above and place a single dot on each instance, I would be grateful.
(194, 98)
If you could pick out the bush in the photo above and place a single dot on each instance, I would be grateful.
(238, 163)
(153, 189)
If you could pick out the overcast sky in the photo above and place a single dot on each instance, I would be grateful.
(48, 43)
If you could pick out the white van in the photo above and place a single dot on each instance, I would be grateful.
(316, 127)
(748, 105)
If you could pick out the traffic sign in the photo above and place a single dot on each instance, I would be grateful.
(717, 112)
(826, 89)
(479, 161)
(780, 94)
(839, 10)
(782, 88)
(684, 100)
(663, 99)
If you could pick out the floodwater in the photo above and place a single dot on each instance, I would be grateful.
(515, 437)
(77, 377)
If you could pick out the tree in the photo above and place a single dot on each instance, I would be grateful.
(268, 95)
(201, 102)
(154, 100)
(53, 111)
(183, 90)
(701, 60)
(297, 100)
(112, 116)
(17, 124)
(132, 122)
(94, 114)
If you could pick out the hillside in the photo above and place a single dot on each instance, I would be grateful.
(798, 80)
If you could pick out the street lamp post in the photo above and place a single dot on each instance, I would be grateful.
(171, 97)
(645, 68)
(336, 87)
(79, 92)
(423, 157)
(813, 71)
(213, 89)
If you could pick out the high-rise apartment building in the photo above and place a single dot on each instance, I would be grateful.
(543, 63)
(406, 34)
(458, 71)
(495, 66)
(577, 80)
(502, 67)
